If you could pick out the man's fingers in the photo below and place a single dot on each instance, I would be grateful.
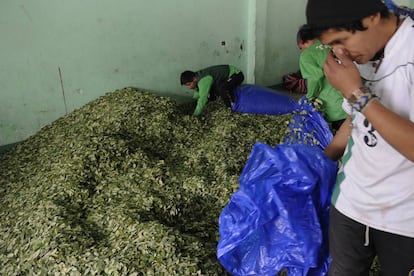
(343, 56)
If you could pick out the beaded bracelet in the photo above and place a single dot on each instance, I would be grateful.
(361, 98)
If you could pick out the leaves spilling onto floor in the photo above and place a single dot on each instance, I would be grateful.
(129, 184)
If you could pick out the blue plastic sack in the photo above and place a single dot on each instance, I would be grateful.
(278, 218)
(256, 99)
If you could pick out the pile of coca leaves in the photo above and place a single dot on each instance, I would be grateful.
(129, 184)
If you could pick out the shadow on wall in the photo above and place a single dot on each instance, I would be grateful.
(8, 147)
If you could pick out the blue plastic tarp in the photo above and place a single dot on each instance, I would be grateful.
(279, 217)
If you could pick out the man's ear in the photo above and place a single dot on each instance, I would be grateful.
(372, 19)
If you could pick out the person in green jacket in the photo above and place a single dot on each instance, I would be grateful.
(311, 61)
(213, 82)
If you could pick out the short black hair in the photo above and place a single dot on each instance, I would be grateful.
(187, 76)
(304, 34)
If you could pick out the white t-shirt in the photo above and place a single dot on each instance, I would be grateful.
(375, 185)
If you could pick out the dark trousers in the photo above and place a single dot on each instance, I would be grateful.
(226, 90)
(352, 253)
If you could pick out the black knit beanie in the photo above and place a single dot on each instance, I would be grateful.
(326, 13)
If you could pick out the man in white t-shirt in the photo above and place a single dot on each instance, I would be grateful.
(372, 210)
